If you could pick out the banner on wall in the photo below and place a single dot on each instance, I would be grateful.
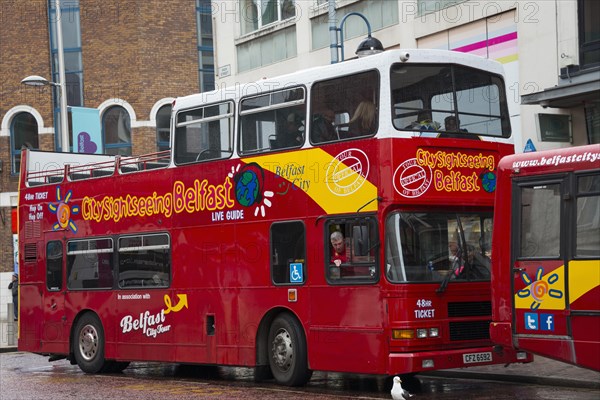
(87, 133)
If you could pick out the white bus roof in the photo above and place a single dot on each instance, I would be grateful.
(308, 76)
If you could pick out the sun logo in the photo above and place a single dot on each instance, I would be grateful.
(539, 288)
(249, 181)
(63, 211)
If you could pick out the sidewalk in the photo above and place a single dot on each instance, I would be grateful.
(543, 371)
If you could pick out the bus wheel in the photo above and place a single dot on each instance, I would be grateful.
(287, 352)
(89, 344)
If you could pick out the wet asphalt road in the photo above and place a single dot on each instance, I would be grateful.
(28, 376)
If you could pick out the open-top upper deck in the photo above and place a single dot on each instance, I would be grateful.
(42, 167)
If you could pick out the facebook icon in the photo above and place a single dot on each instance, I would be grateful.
(547, 322)
(531, 321)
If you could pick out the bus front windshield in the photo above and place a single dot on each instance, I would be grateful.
(437, 247)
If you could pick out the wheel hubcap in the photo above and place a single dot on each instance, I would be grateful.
(88, 342)
(282, 350)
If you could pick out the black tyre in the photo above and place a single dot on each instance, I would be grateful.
(287, 352)
(88, 344)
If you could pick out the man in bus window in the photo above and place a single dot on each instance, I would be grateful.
(322, 128)
(339, 254)
(451, 124)
(295, 130)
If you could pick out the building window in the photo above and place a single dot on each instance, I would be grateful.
(255, 14)
(116, 131)
(592, 121)
(73, 64)
(206, 59)
(380, 14)
(163, 121)
(277, 46)
(589, 32)
(23, 133)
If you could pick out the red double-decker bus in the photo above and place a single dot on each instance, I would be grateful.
(546, 255)
(322, 220)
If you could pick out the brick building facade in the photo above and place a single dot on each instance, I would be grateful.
(139, 54)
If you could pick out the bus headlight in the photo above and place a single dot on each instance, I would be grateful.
(434, 332)
(421, 333)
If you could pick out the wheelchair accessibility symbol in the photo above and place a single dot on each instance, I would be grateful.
(296, 274)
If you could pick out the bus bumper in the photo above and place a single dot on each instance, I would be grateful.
(402, 363)
(501, 333)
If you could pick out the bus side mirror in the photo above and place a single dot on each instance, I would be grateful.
(360, 240)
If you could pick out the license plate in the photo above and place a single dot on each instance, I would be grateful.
(473, 358)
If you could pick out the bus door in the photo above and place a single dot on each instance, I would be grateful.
(54, 335)
(539, 254)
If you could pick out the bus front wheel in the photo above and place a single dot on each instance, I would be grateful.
(287, 352)
(88, 344)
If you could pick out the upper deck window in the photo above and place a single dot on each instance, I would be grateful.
(450, 99)
(272, 121)
(204, 133)
(345, 108)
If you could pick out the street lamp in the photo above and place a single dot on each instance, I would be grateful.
(36, 80)
(368, 46)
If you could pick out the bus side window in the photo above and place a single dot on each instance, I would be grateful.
(272, 121)
(288, 252)
(204, 133)
(54, 263)
(351, 249)
(334, 101)
(144, 261)
(588, 216)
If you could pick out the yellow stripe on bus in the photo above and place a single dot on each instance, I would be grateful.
(338, 184)
(548, 293)
(583, 277)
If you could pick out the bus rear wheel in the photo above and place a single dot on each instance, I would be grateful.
(288, 352)
(88, 344)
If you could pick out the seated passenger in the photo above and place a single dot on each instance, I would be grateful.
(363, 121)
(424, 122)
(452, 129)
(451, 124)
(323, 128)
(291, 134)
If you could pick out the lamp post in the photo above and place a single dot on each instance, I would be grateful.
(36, 80)
(368, 46)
